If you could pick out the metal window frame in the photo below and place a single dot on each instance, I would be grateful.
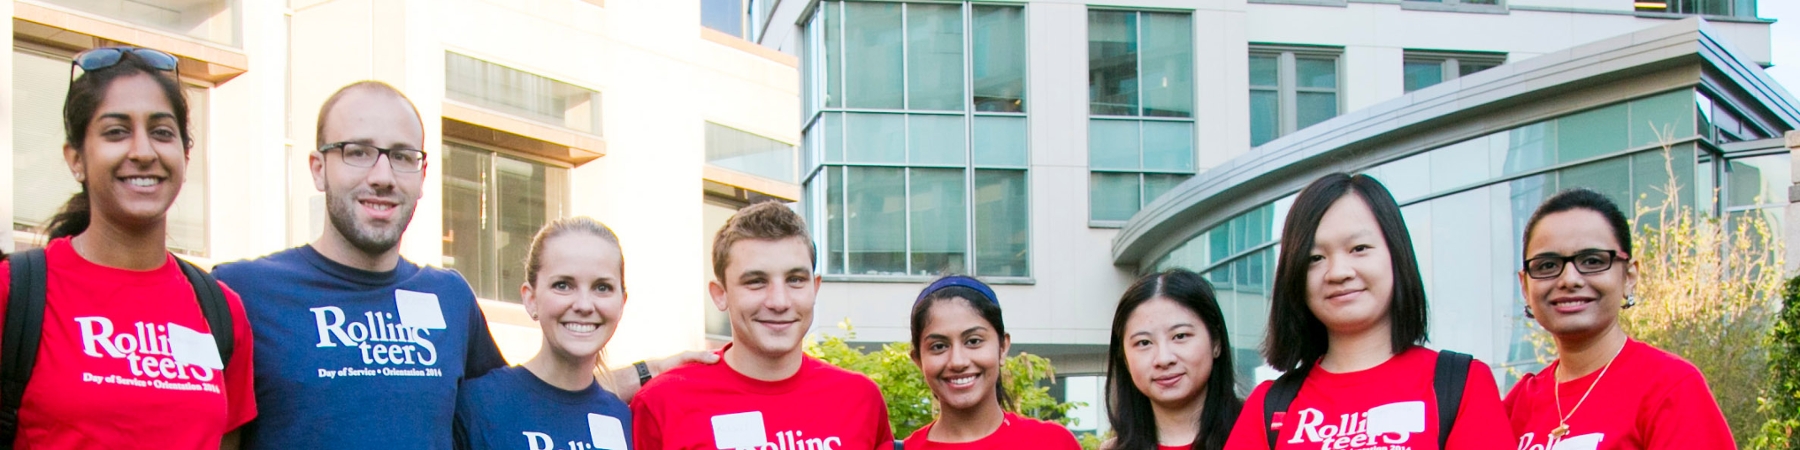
(1451, 61)
(490, 187)
(1286, 72)
(1139, 118)
(839, 270)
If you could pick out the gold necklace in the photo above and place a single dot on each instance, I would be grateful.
(1562, 427)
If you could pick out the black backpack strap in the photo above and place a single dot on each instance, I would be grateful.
(19, 344)
(212, 306)
(1280, 395)
(1452, 374)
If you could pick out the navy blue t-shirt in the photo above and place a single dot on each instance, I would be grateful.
(511, 408)
(347, 358)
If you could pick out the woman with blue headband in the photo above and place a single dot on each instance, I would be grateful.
(960, 342)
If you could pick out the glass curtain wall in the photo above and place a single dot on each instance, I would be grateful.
(1141, 109)
(1466, 206)
(915, 148)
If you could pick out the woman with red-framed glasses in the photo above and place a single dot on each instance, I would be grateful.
(1577, 278)
(127, 354)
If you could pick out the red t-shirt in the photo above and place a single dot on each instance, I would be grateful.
(1390, 406)
(1649, 399)
(709, 407)
(105, 375)
(1015, 432)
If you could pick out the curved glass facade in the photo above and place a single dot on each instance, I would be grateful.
(1466, 205)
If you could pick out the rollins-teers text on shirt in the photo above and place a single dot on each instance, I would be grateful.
(1386, 427)
(147, 352)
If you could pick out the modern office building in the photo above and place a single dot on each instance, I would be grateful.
(1058, 149)
(627, 111)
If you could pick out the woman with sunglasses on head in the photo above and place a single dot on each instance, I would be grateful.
(959, 342)
(126, 351)
(1169, 374)
(575, 289)
(1347, 321)
(1577, 277)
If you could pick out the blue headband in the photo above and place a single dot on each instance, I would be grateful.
(959, 281)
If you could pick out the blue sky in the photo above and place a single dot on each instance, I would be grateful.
(1785, 38)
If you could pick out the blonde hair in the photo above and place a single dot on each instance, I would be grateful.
(534, 258)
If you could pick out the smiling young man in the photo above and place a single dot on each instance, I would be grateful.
(765, 393)
(358, 347)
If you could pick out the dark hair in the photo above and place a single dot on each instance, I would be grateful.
(534, 257)
(1296, 336)
(1582, 198)
(86, 94)
(1128, 409)
(988, 308)
(768, 221)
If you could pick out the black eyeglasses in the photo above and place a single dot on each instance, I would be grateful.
(402, 159)
(1586, 262)
(104, 57)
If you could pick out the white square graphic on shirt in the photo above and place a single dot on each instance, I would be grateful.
(741, 430)
(194, 348)
(606, 431)
(419, 309)
(1403, 417)
(1590, 441)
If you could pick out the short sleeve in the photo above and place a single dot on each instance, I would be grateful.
(884, 433)
(1685, 416)
(465, 432)
(1480, 420)
(1248, 433)
(240, 379)
(484, 354)
(646, 427)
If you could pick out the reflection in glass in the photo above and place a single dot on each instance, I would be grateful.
(1002, 223)
(493, 205)
(939, 221)
(1265, 116)
(738, 150)
(1168, 146)
(1113, 144)
(1000, 141)
(1420, 74)
(875, 138)
(520, 93)
(1592, 133)
(1112, 63)
(1315, 107)
(936, 140)
(934, 57)
(999, 58)
(1113, 196)
(1167, 71)
(875, 206)
(872, 48)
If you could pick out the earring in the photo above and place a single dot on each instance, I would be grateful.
(533, 314)
(1528, 313)
(1630, 301)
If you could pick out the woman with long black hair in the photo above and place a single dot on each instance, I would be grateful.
(1169, 374)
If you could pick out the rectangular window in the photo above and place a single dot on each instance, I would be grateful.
(523, 94)
(41, 180)
(1426, 68)
(1729, 8)
(1291, 88)
(493, 204)
(749, 153)
(726, 16)
(919, 145)
(1141, 107)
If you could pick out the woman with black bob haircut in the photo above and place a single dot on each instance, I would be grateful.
(127, 353)
(959, 341)
(1347, 321)
(1577, 278)
(1170, 383)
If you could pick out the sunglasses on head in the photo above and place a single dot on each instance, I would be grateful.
(104, 57)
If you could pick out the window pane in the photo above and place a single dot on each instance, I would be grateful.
(1113, 144)
(1265, 116)
(1112, 196)
(1529, 147)
(939, 221)
(520, 93)
(1000, 141)
(1671, 113)
(1002, 224)
(1112, 63)
(875, 138)
(1469, 68)
(723, 15)
(876, 214)
(1610, 177)
(934, 63)
(1168, 65)
(1315, 107)
(834, 219)
(1315, 72)
(872, 49)
(834, 55)
(41, 180)
(999, 60)
(834, 137)
(1155, 184)
(1423, 73)
(937, 140)
(1264, 70)
(1592, 133)
(1169, 146)
(468, 241)
(1759, 180)
(522, 203)
(738, 150)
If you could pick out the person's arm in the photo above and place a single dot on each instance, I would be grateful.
(625, 379)
(646, 428)
(1481, 422)
(483, 354)
(231, 440)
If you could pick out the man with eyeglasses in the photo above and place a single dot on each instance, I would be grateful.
(356, 346)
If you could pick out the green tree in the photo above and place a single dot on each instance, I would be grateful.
(1780, 402)
(909, 401)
